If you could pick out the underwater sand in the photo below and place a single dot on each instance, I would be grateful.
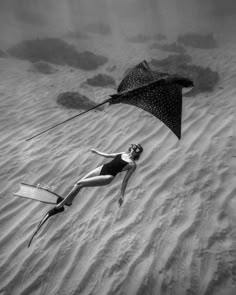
(176, 231)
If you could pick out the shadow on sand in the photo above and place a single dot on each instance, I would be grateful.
(204, 79)
(74, 100)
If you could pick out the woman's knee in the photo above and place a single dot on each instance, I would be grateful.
(77, 185)
(109, 179)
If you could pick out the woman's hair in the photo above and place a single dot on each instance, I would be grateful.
(138, 150)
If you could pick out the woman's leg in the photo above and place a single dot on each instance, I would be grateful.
(95, 172)
(91, 179)
(95, 181)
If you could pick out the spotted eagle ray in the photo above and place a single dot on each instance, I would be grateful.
(158, 93)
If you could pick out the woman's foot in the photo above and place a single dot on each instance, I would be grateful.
(68, 204)
(59, 200)
(55, 210)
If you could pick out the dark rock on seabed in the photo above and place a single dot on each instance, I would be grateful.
(159, 37)
(76, 35)
(99, 28)
(101, 80)
(204, 79)
(2, 54)
(140, 38)
(173, 47)
(42, 67)
(58, 52)
(172, 62)
(198, 41)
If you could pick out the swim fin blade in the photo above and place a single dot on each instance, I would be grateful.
(50, 213)
(38, 193)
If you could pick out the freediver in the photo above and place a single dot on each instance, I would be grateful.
(104, 174)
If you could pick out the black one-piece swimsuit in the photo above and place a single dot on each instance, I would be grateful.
(113, 167)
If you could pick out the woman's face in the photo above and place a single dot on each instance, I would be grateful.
(131, 149)
(134, 149)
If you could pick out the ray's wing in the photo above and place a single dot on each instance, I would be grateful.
(161, 98)
(136, 77)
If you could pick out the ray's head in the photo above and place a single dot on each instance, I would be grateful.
(135, 150)
(186, 82)
(187, 85)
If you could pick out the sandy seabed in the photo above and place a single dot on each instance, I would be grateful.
(176, 232)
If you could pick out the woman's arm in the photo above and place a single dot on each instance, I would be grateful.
(125, 182)
(105, 154)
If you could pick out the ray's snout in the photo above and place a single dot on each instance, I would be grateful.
(186, 82)
(180, 80)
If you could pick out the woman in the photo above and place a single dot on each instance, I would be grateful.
(100, 176)
(104, 174)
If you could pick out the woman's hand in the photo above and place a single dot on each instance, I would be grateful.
(121, 201)
(93, 151)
